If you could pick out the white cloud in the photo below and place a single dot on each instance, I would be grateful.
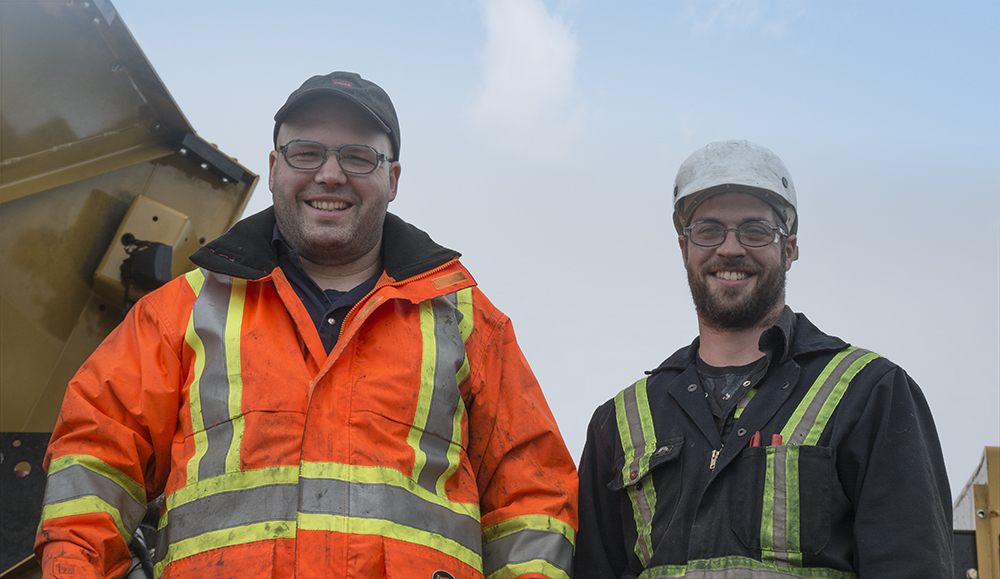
(528, 77)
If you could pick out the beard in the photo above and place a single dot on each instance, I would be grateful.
(734, 308)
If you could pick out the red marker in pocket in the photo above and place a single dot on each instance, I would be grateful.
(755, 439)
(775, 440)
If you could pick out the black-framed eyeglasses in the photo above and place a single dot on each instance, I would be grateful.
(750, 234)
(353, 159)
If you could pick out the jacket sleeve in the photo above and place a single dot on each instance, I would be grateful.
(526, 477)
(109, 449)
(892, 466)
(600, 551)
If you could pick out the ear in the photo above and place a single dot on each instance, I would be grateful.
(272, 158)
(791, 250)
(682, 242)
(394, 171)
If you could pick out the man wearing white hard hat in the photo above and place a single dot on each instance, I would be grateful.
(766, 448)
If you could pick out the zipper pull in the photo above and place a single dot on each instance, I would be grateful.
(715, 457)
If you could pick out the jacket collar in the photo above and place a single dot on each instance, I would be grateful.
(246, 251)
(792, 336)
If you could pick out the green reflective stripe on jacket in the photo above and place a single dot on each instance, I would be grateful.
(528, 544)
(466, 323)
(436, 435)
(780, 525)
(82, 484)
(741, 568)
(638, 439)
(214, 335)
(813, 412)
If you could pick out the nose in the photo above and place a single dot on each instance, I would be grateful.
(330, 172)
(731, 246)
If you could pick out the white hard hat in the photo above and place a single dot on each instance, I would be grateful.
(734, 167)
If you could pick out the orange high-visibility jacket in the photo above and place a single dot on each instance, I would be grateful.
(421, 444)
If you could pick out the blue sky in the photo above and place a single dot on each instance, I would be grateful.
(541, 140)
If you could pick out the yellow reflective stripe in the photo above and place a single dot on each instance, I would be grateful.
(86, 506)
(465, 325)
(540, 522)
(234, 481)
(794, 529)
(92, 463)
(234, 329)
(428, 365)
(387, 476)
(391, 530)
(195, 279)
(225, 538)
(742, 567)
(742, 404)
(543, 568)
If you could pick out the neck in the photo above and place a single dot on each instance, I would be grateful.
(723, 347)
(344, 277)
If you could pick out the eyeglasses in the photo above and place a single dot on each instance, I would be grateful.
(353, 159)
(750, 234)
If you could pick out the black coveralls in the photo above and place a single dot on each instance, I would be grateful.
(875, 500)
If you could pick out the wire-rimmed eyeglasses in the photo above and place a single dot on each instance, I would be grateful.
(353, 159)
(750, 234)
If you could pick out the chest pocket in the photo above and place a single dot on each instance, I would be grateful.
(788, 511)
(650, 490)
(790, 486)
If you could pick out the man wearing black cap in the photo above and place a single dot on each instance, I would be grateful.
(766, 448)
(328, 395)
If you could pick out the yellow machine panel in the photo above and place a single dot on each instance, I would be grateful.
(92, 147)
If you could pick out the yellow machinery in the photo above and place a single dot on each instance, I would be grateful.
(93, 151)
(977, 521)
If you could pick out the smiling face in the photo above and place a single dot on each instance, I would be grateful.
(736, 287)
(332, 218)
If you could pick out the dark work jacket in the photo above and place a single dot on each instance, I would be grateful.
(874, 492)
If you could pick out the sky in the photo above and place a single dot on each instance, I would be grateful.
(541, 140)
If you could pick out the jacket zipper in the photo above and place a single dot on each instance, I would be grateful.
(715, 458)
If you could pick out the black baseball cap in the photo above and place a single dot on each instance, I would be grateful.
(366, 94)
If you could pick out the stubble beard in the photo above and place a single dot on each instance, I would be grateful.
(343, 247)
(725, 310)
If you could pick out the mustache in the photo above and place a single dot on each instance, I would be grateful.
(737, 263)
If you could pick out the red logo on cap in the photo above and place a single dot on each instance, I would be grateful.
(343, 83)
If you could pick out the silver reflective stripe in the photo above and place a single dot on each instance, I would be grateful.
(210, 394)
(390, 503)
(228, 510)
(437, 432)
(528, 545)
(77, 481)
(822, 392)
(635, 433)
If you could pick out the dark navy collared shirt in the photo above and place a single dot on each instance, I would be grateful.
(327, 308)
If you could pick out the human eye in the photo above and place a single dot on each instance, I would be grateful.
(755, 233)
(358, 157)
(305, 152)
(703, 233)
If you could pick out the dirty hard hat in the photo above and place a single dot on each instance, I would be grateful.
(366, 94)
(734, 167)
